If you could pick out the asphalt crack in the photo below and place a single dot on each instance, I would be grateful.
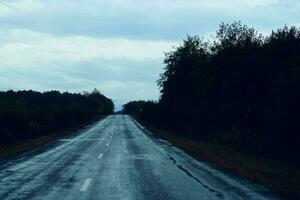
(187, 172)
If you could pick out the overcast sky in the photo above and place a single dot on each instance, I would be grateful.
(115, 46)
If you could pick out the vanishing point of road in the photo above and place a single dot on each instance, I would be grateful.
(116, 158)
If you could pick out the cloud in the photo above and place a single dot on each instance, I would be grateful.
(135, 6)
(8, 8)
(123, 69)
(117, 45)
(22, 48)
(141, 19)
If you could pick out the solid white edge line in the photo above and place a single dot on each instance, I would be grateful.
(86, 184)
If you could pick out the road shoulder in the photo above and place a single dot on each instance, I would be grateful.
(280, 178)
(13, 150)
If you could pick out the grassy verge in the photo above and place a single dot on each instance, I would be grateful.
(280, 178)
(7, 151)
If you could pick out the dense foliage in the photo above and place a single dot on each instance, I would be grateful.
(29, 114)
(147, 110)
(242, 90)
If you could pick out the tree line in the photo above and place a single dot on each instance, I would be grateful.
(29, 114)
(238, 88)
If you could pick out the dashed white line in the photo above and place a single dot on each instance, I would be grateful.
(100, 155)
(107, 144)
(86, 184)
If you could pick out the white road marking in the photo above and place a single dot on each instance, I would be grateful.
(107, 144)
(86, 184)
(100, 155)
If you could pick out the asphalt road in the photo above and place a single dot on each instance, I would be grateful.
(117, 159)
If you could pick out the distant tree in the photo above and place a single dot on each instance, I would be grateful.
(29, 114)
(146, 110)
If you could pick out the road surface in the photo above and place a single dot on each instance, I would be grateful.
(116, 158)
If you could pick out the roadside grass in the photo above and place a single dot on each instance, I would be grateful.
(280, 178)
(19, 147)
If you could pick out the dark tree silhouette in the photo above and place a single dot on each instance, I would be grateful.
(242, 90)
(29, 114)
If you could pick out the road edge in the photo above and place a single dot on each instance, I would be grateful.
(14, 150)
(273, 186)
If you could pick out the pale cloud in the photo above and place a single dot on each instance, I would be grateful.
(143, 19)
(20, 6)
(135, 5)
(27, 49)
(115, 8)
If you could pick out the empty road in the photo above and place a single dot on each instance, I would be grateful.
(116, 158)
